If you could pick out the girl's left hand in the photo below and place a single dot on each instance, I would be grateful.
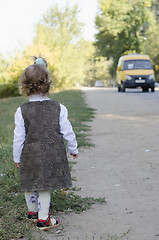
(74, 155)
(17, 165)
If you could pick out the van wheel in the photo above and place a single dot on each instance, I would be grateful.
(143, 89)
(119, 88)
(122, 87)
(147, 89)
(152, 89)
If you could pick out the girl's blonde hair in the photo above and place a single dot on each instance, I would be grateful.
(34, 80)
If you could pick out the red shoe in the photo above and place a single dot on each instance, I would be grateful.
(33, 216)
(50, 222)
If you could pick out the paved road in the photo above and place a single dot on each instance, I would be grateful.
(149, 96)
(123, 167)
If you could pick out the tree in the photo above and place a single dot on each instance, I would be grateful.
(97, 69)
(151, 46)
(60, 31)
(3, 69)
(121, 26)
(58, 39)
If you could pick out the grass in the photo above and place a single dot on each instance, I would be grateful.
(13, 223)
(79, 114)
(65, 202)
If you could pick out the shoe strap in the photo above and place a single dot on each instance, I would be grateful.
(47, 221)
(32, 213)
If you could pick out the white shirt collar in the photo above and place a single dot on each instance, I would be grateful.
(38, 97)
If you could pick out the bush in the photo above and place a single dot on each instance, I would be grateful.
(8, 90)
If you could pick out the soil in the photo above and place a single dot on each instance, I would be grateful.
(123, 167)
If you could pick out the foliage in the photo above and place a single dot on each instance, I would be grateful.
(121, 28)
(151, 46)
(13, 223)
(64, 23)
(3, 69)
(12, 69)
(58, 39)
(97, 68)
(60, 32)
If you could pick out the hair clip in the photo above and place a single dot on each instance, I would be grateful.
(40, 61)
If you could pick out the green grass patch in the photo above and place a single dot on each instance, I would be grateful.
(79, 114)
(65, 202)
(13, 220)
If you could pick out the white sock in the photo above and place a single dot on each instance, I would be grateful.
(31, 201)
(43, 204)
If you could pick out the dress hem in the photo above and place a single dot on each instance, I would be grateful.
(43, 189)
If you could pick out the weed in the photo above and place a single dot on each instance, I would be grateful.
(63, 201)
(71, 163)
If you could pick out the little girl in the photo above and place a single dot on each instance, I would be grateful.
(38, 147)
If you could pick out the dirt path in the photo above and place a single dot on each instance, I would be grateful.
(123, 167)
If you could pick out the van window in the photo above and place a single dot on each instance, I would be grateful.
(137, 64)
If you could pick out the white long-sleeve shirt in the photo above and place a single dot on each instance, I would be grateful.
(65, 129)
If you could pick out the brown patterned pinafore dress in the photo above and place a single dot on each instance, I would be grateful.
(44, 163)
